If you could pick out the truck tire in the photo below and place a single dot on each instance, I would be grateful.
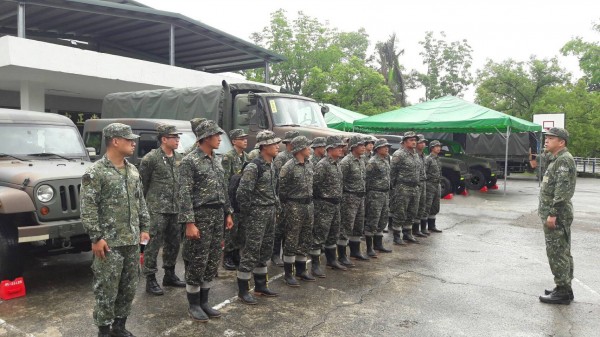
(477, 180)
(492, 182)
(11, 263)
(445, 187)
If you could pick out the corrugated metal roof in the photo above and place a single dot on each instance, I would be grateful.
(129, 28)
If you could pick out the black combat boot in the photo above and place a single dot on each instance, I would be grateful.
(243, 293)
(236, 257)
(571, 295)
(195, 310)
(378, 244)
(342, 258)
(171, 280)
(118, 328)
(104, 331)
(407, 236)
(315, 266)
(332, 261)
(398, 238)
(416, 230)
(276, 258)
(152, 286)
(424, 227)
(288, 277)
(431, 226)
(261, 286)
(355, 251)
(210, 312)
(370, 251)
(302, 272)
(228, 262)
(561, 295)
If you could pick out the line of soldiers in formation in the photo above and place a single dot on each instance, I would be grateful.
(317, 196)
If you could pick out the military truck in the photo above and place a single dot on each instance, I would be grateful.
(454, 172)
(42, 159)
(249, 106)
(146, 129)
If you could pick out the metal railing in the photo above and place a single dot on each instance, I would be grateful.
(587, 165)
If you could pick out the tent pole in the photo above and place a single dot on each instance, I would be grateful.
(541, 167)
(506, 158)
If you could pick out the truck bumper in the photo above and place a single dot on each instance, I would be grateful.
(56, 229)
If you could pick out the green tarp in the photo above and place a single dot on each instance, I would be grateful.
(340, 118)
(446, 114)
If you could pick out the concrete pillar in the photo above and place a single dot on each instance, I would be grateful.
(32, 96)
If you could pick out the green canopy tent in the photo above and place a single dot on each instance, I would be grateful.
(447, 114)
(340, 118)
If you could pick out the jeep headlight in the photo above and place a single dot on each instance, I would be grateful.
(45, 193)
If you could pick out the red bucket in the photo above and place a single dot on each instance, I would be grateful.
(12, 289)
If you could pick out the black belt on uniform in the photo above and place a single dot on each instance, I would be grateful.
(304, 201)
(334, 201)
(358, 194)
(211, 206)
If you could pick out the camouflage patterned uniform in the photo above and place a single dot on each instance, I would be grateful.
(233, 164)
(253, 154)
(405, 175)
(353, 199)
(433, 169)
(113, 209)
(195, 122)
(377, 201)
(327, 189)
(316, 142)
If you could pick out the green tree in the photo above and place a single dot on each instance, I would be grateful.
(448, 67)
(514, 87)
(389, 66)
(589, 58)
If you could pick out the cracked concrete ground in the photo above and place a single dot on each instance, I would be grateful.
(482, 276)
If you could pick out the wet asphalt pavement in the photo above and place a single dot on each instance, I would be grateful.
(481, 277)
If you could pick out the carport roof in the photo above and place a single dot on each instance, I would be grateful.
(132, 29)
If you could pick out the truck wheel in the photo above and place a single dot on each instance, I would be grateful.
(492, 182)
(445, 187)
(477, 180)
(10, 253)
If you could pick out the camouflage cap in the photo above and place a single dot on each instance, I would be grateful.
(434, 143)
(370, 139)
(289, 136)
(334, 141)
(356, 140)
(267, 138)
(167, 129)
(421, 138)
(195, 122)
(207, 129)
(318, 142)
(558, 132)
(410, 134)
(118, 130)
(381, 142)
(299, 143)
(237, 133)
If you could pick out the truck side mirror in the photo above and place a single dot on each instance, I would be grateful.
(324, 109)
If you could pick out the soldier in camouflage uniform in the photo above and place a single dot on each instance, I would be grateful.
(327, 194)
(204, 209)
(278, 163)
(195, 122)
(421, 219)
(257, 197)
(318, 147)
(556, 212)
(377, 201)
(114, 215)
(295, 193)
(233, 162)
(433, 170)
(405, 174)
(159, 170)
(369, 146)
(353, 201)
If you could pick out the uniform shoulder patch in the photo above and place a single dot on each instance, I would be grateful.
(86, 179)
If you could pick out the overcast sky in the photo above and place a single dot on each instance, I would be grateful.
(496, 30)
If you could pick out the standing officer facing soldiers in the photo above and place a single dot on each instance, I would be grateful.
(353, 201)
(278, 163)
(318, 147)
(556, 212)
(114, 214)
(159, 170)
(377, 201)
(195, 122)
(421, 213)
(257, 197)
(433, 170)
(327, 194)
(295, 193)
(405, 174)
(233, 162)
(204, 209)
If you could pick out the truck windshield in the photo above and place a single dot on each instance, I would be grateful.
(23, 140)
(291, 111)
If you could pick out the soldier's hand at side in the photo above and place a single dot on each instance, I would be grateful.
(191, 231)
(228, 222)
(144, 237)
(551, 222)
(100, 249)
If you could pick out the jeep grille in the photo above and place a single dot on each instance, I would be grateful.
(69, 197)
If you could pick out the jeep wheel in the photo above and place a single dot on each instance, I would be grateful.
(477, 180)
(493, 181)
(10, 258)
(445, 187)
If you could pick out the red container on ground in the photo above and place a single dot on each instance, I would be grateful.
(12, 289)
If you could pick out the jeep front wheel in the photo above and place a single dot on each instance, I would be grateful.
(477, 180)
(11, 264)
(445, 187)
